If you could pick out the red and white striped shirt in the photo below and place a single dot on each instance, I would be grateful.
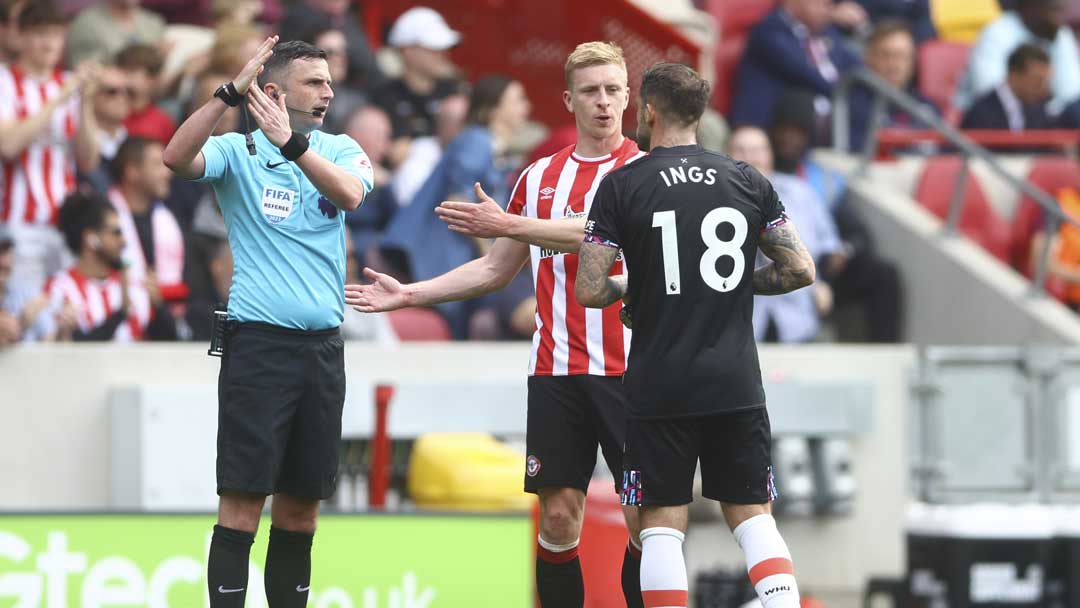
(95, 301)
(570, 339)
(33, 186)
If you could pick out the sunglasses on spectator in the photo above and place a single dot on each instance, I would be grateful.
(114, 91)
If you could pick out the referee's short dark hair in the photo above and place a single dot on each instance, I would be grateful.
(1025, 55)
(82, 210)
(284, 54)
(676, 92)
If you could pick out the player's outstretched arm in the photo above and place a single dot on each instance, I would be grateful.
(486, 219)
(594, 287)
(476, 278)
(792, 265)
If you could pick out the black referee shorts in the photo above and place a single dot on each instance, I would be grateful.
(280, 396)
(734, 449)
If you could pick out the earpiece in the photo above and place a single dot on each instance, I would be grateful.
(95, 242)
(318, 113)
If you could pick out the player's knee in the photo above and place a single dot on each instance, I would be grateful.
(560, 526)
(240, 511)
(735, 514)
(295, 515)
(560, 517)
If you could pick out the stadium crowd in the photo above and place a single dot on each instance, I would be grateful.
(99, 241)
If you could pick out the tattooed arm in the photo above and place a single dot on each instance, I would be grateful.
(792, 266)
(594, 288)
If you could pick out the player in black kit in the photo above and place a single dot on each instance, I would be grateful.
(689, 223)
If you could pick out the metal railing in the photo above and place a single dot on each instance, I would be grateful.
(958, 392)
(886, 95)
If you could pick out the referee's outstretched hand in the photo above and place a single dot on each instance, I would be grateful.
(483, 219)
(254, 66)
(382, 294)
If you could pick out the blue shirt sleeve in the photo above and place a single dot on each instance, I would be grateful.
(216, 157)
(352, 158)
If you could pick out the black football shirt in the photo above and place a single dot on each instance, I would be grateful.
(687, 221)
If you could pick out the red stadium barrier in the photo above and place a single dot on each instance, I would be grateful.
(379, 475)
(529, 41)
(892, 139)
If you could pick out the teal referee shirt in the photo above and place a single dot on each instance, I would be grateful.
(287, 240)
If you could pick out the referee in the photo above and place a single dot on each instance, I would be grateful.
(282, 382)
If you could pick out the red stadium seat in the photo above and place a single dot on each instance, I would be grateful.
(1051, 174)
(737, 15)
(419, 325)
(941, 64)
(978, 221)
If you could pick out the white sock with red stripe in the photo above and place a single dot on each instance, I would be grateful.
(663, 570)
(768, 562)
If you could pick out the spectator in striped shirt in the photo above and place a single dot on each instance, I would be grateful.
(48, 126)
(105, 305)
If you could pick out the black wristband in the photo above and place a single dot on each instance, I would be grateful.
(228, 93)
(295, 147)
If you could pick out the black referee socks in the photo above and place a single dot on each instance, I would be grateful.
(227, 567)
(288, 568)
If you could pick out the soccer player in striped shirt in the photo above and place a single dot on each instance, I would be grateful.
(47, 119)
(576, 399)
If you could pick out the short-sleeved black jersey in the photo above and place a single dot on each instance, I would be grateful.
(688, 222)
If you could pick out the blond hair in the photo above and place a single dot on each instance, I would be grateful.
(588, 54)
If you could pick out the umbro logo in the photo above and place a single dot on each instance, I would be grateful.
(547, 192)
(270, 165)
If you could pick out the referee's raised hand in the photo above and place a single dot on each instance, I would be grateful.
(254, 65)
(271, 115)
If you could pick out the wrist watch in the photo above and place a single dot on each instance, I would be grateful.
(227, 93)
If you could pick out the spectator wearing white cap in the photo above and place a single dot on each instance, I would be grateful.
(424, 40)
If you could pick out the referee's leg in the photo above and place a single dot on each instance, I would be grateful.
(227, 565)
(260, 387)
(308, 473)
(287, 577)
